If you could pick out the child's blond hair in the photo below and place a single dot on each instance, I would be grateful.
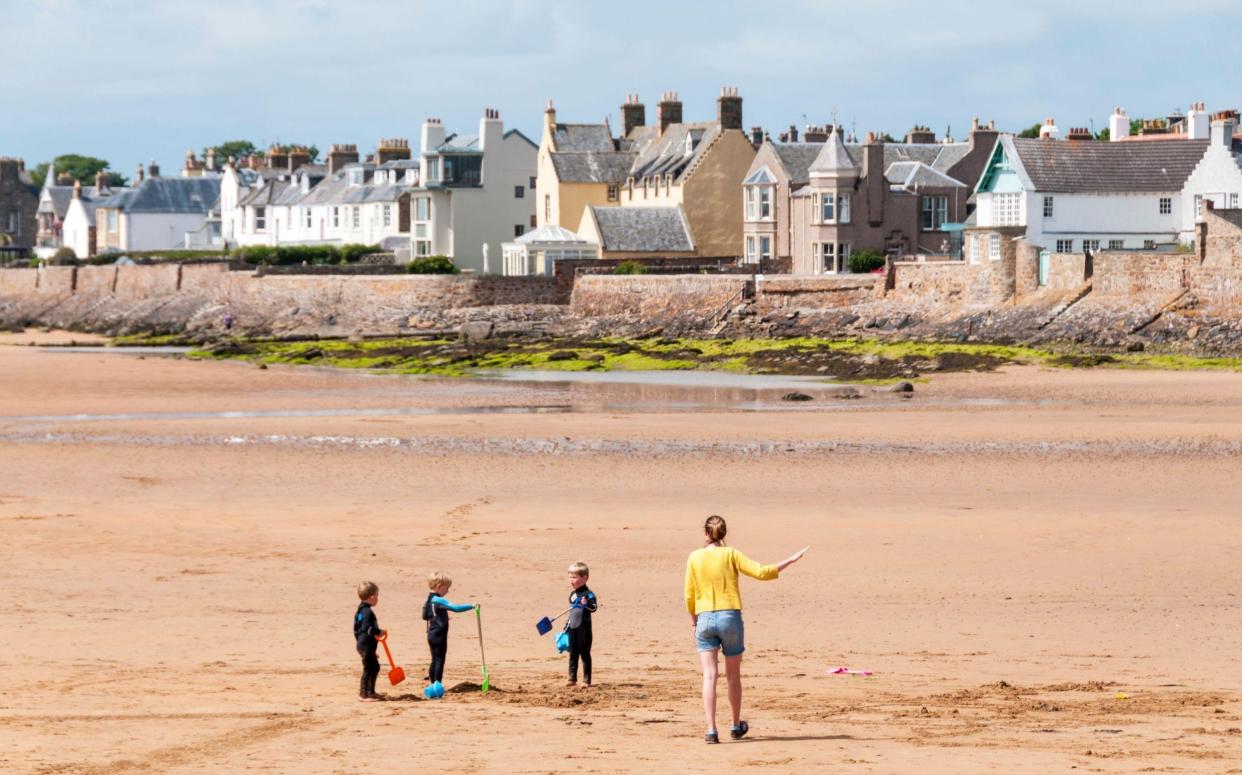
(367, 589)
(580, 569)
(437, 578)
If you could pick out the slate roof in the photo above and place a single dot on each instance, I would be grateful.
(593, 166)
(60, 197)
(1072, 167)
(583, 137)
(643, 229)
(261, 197)
(337, 190)
(833, 157)
(167, 195)
(914, 174)
(797, 159)
(672, 152)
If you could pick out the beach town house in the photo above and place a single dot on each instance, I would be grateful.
(155, 214)
(19, 201)
(818, 202)
(1081, 194)
(475, 193)
(656, 190)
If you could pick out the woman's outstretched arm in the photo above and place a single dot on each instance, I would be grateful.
(780, 566)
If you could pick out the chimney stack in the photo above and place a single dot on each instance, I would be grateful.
(153, 169)
(1198, 122)
(1224, 125)
(77, 188)
(277, 158)
(874, 185)
(921, 135)
(101, 181)
(211, 159)
(1049, 130)
(341, 154)
(391, 149)
(815, 134)
(756, 136)
(793, 133)
(65, 179)
(669, 110)
(10, 168)
(729, 111)
(139, 174)
(298, 156)
(1079, 133)
(192, 167)
(491, 130)
(633, 114)
(1118, 125)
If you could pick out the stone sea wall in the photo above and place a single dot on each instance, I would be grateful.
(1190, 301)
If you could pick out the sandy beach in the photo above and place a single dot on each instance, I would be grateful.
(1039, 565)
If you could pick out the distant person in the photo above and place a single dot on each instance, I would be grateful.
(715, 606)
(367, 633)
(583, 603)
(228, 322)
(435, 613)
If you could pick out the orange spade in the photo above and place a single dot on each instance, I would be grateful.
(397, 674)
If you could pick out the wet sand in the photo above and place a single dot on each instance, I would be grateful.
(1040, 566)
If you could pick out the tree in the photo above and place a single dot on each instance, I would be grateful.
(81, 168)
(1031, 132)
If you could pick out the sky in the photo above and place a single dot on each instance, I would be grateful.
(135, 80)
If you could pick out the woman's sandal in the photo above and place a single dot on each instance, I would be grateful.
(739, 731)
(712, 737)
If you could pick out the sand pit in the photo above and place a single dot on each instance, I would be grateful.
(1039, 566)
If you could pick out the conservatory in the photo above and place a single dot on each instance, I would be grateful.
(535, 252)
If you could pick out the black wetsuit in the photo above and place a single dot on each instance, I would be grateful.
(365, 629)
(437, 618)
(579, 628)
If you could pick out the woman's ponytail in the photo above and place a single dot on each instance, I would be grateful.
(715, 529)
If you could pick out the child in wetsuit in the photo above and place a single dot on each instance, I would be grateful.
(582, 603)
(366, 634)
(435, 613)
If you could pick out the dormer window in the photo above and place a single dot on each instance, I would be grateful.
(356, 176)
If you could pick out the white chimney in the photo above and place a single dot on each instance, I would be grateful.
(1224, 124)
(491, 130)
(1197, 122)
(1049, 130)
(1118, 125)
(433, 135)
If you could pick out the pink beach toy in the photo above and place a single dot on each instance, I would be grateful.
(847, 671)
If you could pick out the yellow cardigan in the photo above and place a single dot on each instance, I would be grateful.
(711, 578)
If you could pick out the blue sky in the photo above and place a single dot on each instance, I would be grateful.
(135, 80)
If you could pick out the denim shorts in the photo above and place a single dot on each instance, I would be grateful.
(720, 630)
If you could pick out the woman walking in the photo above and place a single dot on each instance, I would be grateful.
(715, 607)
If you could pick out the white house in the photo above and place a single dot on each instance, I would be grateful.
(475, 194)
(1218, 176)
(156, 214)
(1078, 194)
(77, 229)
(1132, 193)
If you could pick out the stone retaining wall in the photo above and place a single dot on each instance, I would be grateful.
(815, 293)
(655, 297)
(1141, 274)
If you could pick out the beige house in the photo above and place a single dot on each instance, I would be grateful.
(674, 172)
